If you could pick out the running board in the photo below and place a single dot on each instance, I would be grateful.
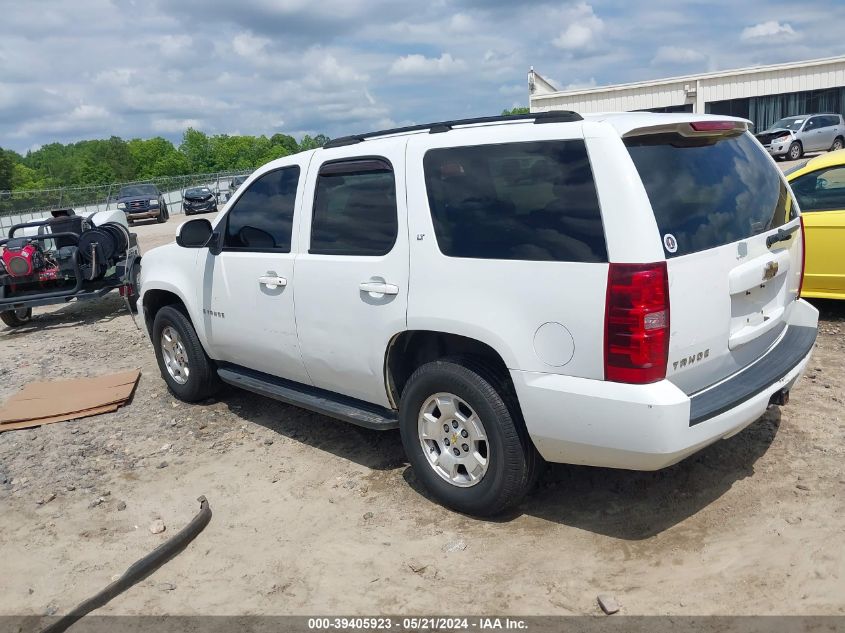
(357, 412)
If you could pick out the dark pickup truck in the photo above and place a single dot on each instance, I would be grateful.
(142, 202)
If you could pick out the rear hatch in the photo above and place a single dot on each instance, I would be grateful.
(732, 240)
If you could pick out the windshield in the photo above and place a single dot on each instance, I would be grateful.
(707, 193)
(198, 191)
(137, 190)
(789, 123)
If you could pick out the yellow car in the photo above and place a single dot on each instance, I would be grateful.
(819, 186)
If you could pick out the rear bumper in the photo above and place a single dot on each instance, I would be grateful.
(647, 427)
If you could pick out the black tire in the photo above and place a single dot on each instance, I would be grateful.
(838, 143)
(202, 381)
(161, 218)
(16, 318)
(514, 463)
(795, 151)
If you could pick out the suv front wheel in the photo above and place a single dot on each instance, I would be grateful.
(188, 371)
(463, 441)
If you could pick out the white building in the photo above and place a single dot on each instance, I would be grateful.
(762, 94)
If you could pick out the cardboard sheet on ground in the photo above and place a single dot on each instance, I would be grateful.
(56, 401)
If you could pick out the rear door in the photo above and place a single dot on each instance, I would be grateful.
(352, 273)
(814, 135)
(732, 242)
(821, 195)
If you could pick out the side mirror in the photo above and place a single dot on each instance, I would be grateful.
(194, 233)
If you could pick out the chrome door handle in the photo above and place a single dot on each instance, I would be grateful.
(272, 281)
(378, 288)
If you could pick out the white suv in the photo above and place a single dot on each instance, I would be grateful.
(617, 290)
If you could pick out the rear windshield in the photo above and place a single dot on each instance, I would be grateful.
(708, 192)
(528, 201)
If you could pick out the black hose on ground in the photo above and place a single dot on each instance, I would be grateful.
(138, 570)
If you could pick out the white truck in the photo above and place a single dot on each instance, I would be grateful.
(616, 290)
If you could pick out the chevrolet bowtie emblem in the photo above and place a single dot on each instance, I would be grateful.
(770, 270)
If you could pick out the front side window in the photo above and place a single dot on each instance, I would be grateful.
(354, 208)
(812, 124)
(822, 190)
(519, 201)
(262, 218)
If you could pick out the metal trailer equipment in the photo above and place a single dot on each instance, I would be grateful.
(67, 257)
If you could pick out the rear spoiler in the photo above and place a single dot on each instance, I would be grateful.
(693, 129)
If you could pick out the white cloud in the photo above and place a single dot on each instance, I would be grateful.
(677, 55)
(249, 45)
(578, 85)
(114, 77)
(173, 45)
(772, 29)
(174, 126)
(420, 66)
(583, 30)
(461, 23)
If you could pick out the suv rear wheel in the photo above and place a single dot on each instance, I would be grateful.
(463, 441)
(188, 371)
(837, 144)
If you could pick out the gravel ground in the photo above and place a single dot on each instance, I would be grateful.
(312, 516)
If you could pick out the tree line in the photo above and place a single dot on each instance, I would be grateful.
(105, 161)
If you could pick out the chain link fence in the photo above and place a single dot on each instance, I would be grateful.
(29, 205)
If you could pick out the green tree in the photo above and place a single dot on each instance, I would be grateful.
(24, 177)
(7, 169)
(196, 146)
(286, 141)
(112, 160)
(516, 110)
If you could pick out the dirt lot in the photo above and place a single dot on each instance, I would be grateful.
(313, 516)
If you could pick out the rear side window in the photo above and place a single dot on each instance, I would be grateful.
(354, 209)
(711, 191)
(262, 218)
(530, 201)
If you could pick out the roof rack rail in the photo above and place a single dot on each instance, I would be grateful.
(554, 116)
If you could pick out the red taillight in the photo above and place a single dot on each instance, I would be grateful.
(713, 126)
(636, 323)
(803, 256)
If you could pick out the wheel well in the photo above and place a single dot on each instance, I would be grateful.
(155, 300)
(409, 350)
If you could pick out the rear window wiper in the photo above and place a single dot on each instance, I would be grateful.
(781, 236)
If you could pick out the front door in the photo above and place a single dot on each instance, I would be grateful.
(247, 294)
(352, 273)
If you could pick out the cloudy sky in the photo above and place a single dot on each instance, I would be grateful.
(94, 68)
